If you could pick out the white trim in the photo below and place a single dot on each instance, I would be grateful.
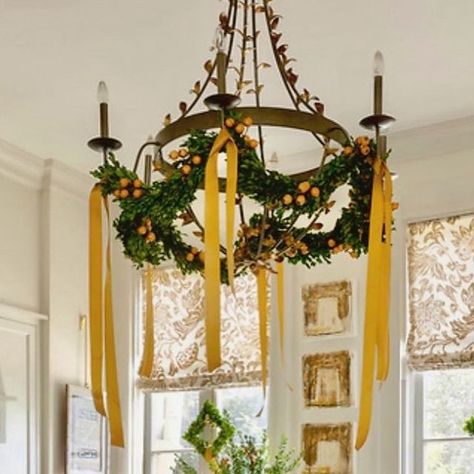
(420, 143)
(20, 315)
(20, 166)
(33, 370)
(61, 177)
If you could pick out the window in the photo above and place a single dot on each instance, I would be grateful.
(169, 414)
(180, 382)
(440, 345)
(445, 399)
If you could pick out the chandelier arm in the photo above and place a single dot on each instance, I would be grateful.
(203, 88)
(140, 151)
(289, 87)
(233, 8)
(279, 64)
(256, 77)
(290, 228)
(310, 225)
(241, 209)
(195, 219)
(262, 232)
(267, 116)
(281, 67)
(243, 51)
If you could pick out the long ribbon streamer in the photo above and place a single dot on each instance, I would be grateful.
(211, 241)
(114, 411)
(146, 366)
(95, 297)
(263, 325)
(102, 340)
(383, 336)
(377, 295)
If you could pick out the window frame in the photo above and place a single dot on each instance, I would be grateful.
(205, 394)
(418, 424)
(148, 453)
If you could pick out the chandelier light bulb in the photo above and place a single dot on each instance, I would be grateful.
(102, 93)
(220, 40)
(379, 64)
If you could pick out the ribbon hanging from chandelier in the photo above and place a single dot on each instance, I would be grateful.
(146, 365)
(212, 262)
(102, 339)
(376, 327)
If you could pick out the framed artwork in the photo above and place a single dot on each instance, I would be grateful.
(327, 308)
(327, 379)
(327, 448)
(87, 443)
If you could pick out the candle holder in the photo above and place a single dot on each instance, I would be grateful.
(377, 122)
(103, 143)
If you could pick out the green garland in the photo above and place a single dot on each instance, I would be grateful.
(149, 223)
(469, 426)
(209, 416)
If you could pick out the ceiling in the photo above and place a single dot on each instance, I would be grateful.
(150, 52)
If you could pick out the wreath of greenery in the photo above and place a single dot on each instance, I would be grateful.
(149, 223)
(209, 416)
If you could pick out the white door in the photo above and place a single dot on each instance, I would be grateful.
(19, 397)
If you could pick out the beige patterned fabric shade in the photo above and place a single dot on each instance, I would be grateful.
(180, 350)
(441, 293)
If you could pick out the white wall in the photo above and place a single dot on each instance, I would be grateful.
(436, 171)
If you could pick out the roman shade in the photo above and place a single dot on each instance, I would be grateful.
(441, 293)
(180, 350)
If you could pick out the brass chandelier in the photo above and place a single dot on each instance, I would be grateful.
(154, 212)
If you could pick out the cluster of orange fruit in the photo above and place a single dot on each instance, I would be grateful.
(146, 230)
(240, 128)
(183, 153)
(304, 190)
(128, 188)
(193, 253)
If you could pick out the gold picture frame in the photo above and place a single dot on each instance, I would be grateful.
(327, 308)
(327, 379)
(327, 448)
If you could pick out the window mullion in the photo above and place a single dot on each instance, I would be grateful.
(419, 423)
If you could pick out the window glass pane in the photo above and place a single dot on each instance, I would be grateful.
(171, 415)
(243, 404)
(163, 463)
(448, 402)
(449, 457)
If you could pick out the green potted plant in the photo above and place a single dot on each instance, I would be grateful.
(469, 426)
(232, 452)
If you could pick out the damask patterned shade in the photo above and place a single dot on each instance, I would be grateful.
(441, 293)
(180, 350)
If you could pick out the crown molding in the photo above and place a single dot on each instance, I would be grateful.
(21, 166)
(444, 138)
(420, 143)
(36, 173)
(61, 177)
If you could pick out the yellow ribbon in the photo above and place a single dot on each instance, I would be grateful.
(146, 366)
(383, 339)
(263, 325)
(95, 297)
(102, 339)
(377, 295)
(280, 268)
(114, 411)
(211, 241)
